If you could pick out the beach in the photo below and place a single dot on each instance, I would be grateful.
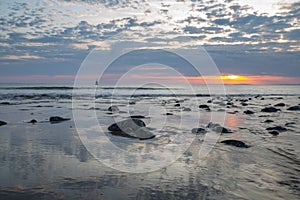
(44, 159)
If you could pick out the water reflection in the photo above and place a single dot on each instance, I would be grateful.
(48, 161)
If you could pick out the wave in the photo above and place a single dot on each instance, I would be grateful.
(90, 87)
(70, 96)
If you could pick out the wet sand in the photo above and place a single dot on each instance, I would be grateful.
(46, 160)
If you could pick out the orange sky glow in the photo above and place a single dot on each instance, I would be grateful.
(243, 79)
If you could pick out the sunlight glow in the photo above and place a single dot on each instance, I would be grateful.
(233, 77)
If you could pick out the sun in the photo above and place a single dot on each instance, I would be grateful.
(232, 77)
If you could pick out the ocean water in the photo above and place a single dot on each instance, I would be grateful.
(56, 160)
(67, 91)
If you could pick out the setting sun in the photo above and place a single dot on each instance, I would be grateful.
(234, 79)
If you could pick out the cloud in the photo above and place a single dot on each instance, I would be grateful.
(62, 32)
(21, 57)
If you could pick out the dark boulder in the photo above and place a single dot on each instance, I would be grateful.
(137, 116)
(2, 123)
(277, 128)
(113, 109)
(243, 100)
(5, 103)
(233, 112)
(57, 119)
(294, 108)
(132, 128)
(268, 121)
(280, 105)
(33, 121)
(169, 113)
(275, 133)
(199, 131)
(218, 128)
(248, 112)
(270, 109)
(205, 107)
(177, 105)
(290, 123)
(131, 103)
(235, 143)
(119, 126)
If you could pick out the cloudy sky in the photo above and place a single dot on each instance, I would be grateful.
(47, 40)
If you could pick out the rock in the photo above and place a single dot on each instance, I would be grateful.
(179, 101)
(235, 143)
(290, 123)
(205, 107)
(264, 116)
(233, 112)
(243, 100)
(169, 113)
(131, 103)
(132, 128)
(262, 99)
(33, 121)
(270, 109)
(164, 102)
(244, 104)
(277, 128)
(199, 131)
(279, 105)
(137, 116)
(2, 123)
(294, 108)
(5, 103)
(177, 105)
(135, 123)
(268, 121)
(218, 128)
(57, 119)
(113, 109)
(248, 112)
(209, 101)
(187, 109)
(275, 133)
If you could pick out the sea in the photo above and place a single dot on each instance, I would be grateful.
(9, 90)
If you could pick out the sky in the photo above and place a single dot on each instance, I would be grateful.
(250, 41)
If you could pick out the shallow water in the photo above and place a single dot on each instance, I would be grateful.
(46, 161)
